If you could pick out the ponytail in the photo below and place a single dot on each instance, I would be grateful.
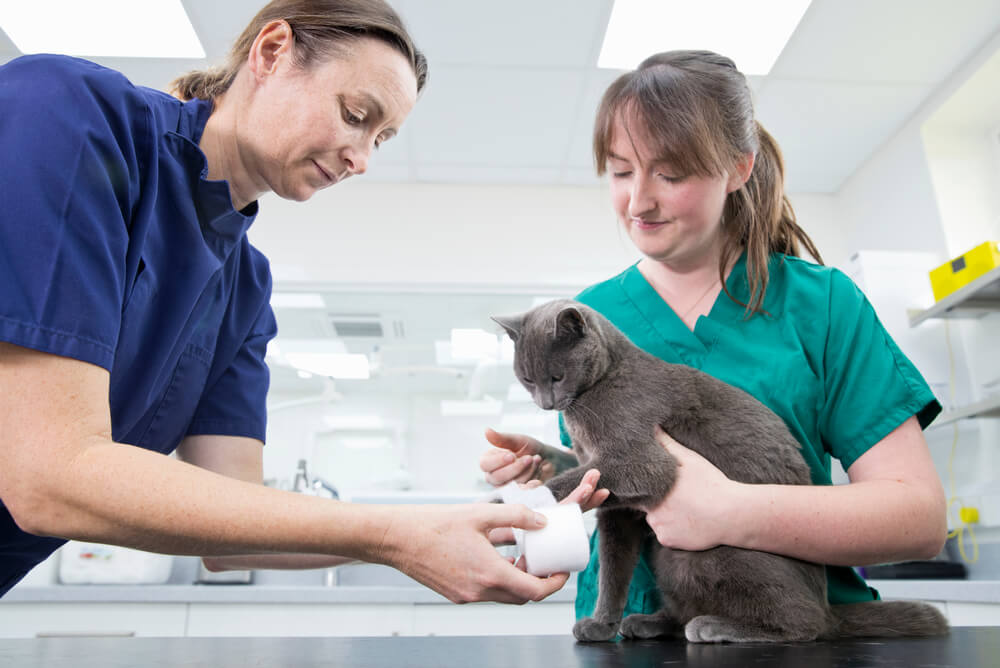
(759, 218)
(202, 84)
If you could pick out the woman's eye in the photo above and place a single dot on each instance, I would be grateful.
(672, 179)
(352, 118)
(620, 175)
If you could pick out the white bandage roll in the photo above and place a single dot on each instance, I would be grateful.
(562, 545)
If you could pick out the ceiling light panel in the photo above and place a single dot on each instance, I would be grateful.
(751, 33)
(116, 28)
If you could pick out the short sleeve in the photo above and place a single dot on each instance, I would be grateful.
(68, 179)
(234, 400)
(870, 386)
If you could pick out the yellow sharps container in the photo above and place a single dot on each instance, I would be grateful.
(964, 269)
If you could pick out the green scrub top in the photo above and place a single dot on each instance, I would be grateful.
(819, 358)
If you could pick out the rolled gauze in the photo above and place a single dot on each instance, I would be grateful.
(562, 545)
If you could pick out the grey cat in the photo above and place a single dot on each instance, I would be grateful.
(612, 395)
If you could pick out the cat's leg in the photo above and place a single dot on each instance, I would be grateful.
(564, 483)
(749, 596)
(622, 531)
(661, 624)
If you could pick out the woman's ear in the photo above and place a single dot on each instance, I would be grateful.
(273, 44)
(740, 173)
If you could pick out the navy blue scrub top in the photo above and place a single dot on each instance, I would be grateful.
(115, 250)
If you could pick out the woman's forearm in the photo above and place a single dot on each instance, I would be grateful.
(857, 524)
(124, 495)
(289, 561)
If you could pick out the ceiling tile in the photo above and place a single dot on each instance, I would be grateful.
(826, 130)
(581, 153)
(498, 117)
(553, 33)
(219, 23)
(885, 40)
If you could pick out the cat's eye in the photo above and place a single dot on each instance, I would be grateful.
(527, 381)
(557, 378)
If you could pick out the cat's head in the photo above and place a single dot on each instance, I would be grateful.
(559, 351)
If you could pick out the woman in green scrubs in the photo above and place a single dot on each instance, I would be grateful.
(697, 184)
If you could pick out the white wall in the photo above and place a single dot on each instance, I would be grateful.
(362, 232)
(934, 187)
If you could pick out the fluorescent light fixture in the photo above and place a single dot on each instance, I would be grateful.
(525, 423)
(297, 300)
(365, 442)
(357, 422)
(123, 28)
(473, 344)
(751, 33)
(333, 365)
(468, 407)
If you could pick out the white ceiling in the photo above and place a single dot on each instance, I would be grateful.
(513, 85)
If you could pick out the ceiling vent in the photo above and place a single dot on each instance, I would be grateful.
(365, 326)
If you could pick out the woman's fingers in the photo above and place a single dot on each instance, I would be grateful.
(521, 469)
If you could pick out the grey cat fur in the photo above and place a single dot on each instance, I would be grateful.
(612, 395)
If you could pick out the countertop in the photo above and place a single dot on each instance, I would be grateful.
(971, 591)
(229, 593)
(965, 647)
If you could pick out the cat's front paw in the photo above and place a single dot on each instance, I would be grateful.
(589, 629)
(644, 627)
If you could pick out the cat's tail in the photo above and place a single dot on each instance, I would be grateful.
(886, 619)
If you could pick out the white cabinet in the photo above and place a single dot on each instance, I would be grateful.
(34, 620)
(299, 619)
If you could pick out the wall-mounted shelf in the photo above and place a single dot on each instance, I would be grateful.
(978, 298)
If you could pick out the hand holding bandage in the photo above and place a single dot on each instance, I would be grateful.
(562, 545)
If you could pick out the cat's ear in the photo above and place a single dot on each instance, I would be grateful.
(570, 324)
(511, 323)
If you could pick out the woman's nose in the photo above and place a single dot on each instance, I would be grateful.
(641, 200)
(356, 159)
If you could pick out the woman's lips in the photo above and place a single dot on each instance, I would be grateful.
(648, 224)
(326, 174)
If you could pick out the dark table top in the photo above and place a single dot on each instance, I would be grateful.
(967, 647)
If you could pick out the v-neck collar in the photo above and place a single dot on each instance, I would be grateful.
(691, 345)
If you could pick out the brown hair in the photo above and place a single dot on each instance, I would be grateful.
(321, 28)
(695, 109)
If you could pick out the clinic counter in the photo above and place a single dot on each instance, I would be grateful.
(965, 647)
(973, 591)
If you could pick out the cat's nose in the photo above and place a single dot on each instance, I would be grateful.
(546, 400)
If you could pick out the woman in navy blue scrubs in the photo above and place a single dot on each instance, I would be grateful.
(134, 313)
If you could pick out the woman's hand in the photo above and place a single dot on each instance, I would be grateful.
(693, 515)
(586, 494)
(515, 458)
(446, 548)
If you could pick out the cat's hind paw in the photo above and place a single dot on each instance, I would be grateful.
(589, 629)
(644, 627)
(708, 628)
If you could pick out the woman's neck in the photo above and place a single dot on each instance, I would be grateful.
(220, 144)
(690, 290)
